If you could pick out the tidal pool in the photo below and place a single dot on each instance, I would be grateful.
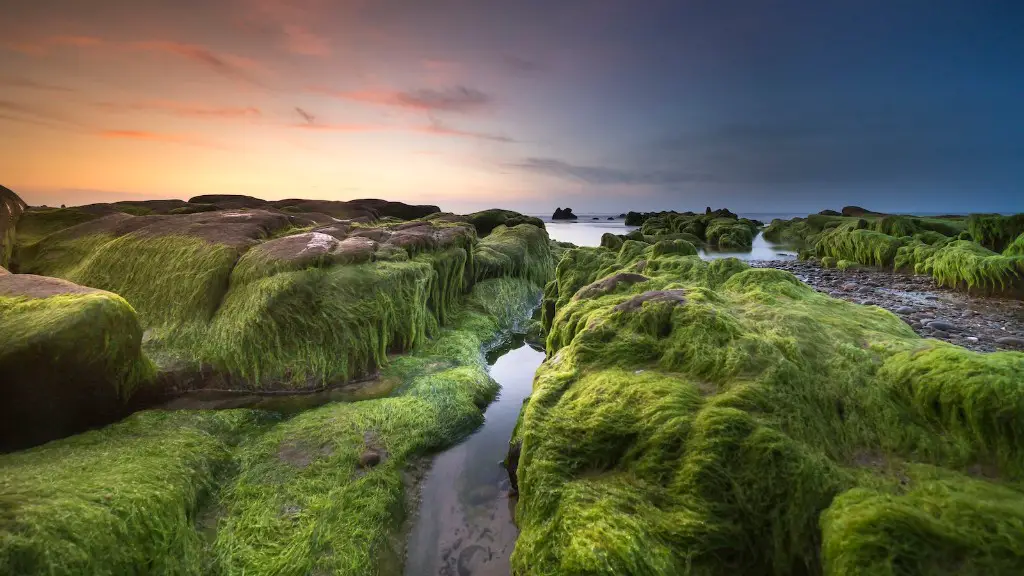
(465, 524)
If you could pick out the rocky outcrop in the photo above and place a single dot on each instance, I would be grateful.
(11, 207)
(716, 419)
(564, 214)
(71, 357)
(857, 211)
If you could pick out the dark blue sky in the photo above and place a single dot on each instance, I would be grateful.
(605, 105)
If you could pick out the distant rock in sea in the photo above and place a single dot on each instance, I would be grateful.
(564, 214)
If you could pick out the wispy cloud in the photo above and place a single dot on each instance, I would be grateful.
(184, 109)
(23, 113)
(601, 175)
(301, 40)
(459, 99)
(432, 129)
(44, 45)
(155, 137)
(20, 82)
(521, 65)
(229, 65)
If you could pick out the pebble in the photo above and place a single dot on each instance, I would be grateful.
(1010, 341)
(993, 323)
(942, 325)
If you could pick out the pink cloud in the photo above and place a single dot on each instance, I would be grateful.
(432, 129)
(153, 137)
(230, 65)
(184, 109)
(300, 40)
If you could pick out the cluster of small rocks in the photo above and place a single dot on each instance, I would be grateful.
(975, 322)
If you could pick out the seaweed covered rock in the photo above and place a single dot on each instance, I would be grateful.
(994, 231)
(249, 301)
(859, 245)
(716, 419)
(130, 498)
(521, 251)
(718, 228)
(485, 221)
(70, 356)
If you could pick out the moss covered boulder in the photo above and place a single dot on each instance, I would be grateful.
(70, 356)
(716, 419)
(240, 491)
(255, 299)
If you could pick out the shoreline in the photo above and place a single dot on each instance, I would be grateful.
(980, 323)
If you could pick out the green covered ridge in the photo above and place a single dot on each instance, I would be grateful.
(707, 418)
(241, 491)
(236, 298)
(230, 289)
(716, 229)
(981, 253)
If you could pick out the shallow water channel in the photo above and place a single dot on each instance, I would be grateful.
(465, 523)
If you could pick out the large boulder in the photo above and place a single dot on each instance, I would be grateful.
(70, 356)
(564, 214)
(11, 207)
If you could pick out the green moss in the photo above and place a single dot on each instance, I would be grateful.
(1016, 248)
(829, 262)
(941, 523)
(611, 241)
(349, 319)
(302, 504)
(486, 221)
(121, 500)
(897, 226)
(69, 362)
(962, 264)
(38, 223)
(859, 245)
(704, 422)
(994, 231)
(520, 252)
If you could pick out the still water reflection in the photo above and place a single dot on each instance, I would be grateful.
(465, 525)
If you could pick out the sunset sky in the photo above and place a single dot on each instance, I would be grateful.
(602, 105)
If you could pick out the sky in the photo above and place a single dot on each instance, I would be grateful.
(601, 105)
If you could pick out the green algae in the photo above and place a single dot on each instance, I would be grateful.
(121, 500)
(1016, 248)
(303, 504)
(720, 229)
(994, 231)
(859, 245)
(719, 421)
(69, 361)
(238, 309)
(521, 251)
(246, 492)
(966, 264)
(38, 223)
